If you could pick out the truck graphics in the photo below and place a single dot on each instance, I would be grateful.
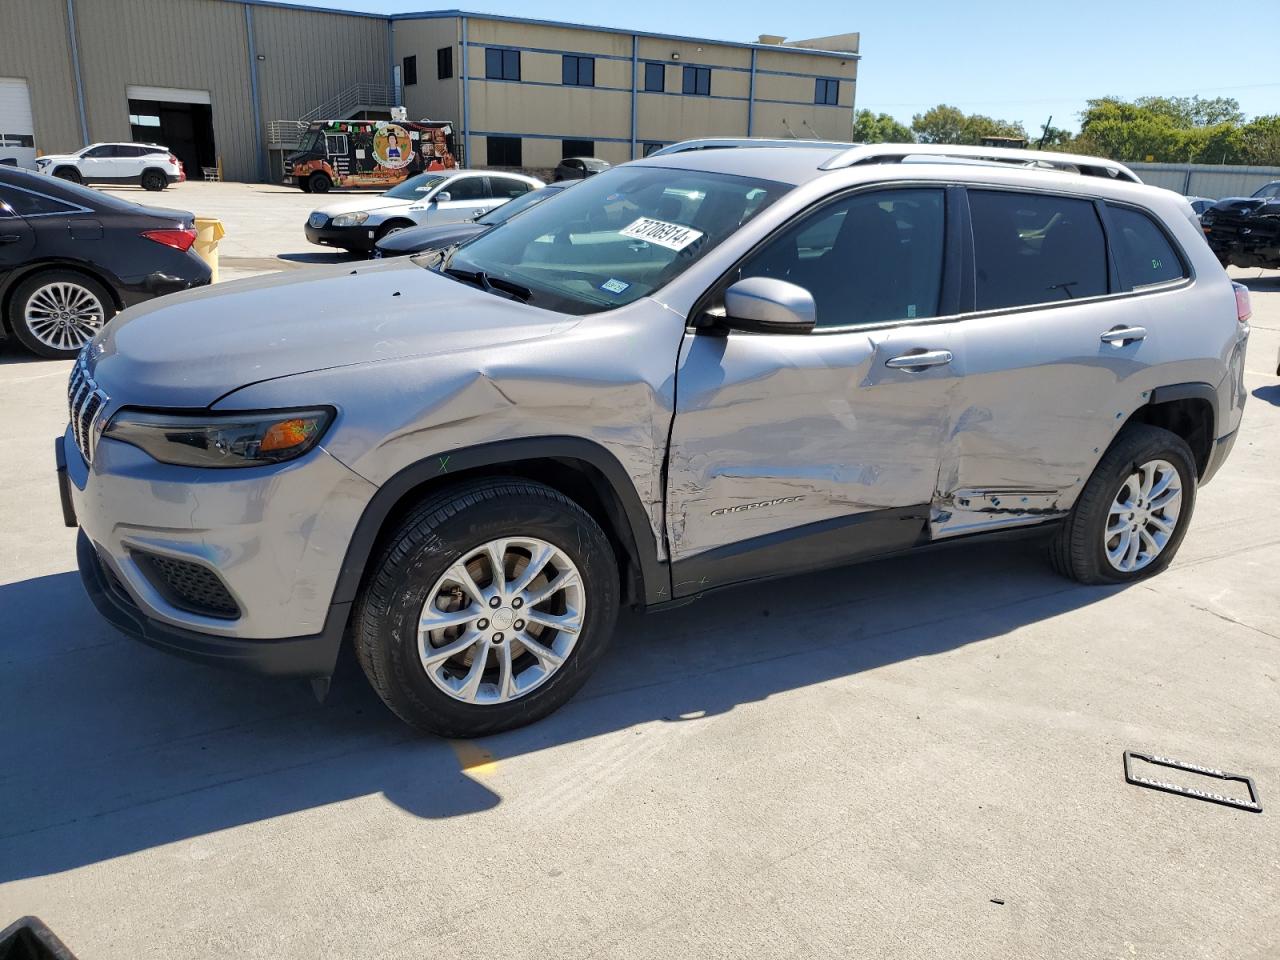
(368, 153)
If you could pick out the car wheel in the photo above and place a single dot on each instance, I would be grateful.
(153, 180)
(319, 183)
(68, 173)
(1134, 511)
(56, 312)
(387, 229)
(487, 608)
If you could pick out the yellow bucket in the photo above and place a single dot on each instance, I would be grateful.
(209, 233)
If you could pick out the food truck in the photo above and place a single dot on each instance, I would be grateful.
(374, 154)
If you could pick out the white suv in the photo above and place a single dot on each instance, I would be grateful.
(152, 167)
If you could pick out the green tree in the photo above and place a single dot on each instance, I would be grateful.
(947, 124)
(1260, 141)
(871, 127)
(1194, 111)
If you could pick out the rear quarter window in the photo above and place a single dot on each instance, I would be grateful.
(1144, 254)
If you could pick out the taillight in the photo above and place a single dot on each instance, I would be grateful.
(1244, 306)
(178, 239)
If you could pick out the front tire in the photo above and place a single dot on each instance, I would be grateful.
(487, 608)
(70, 174)
(319, 183)
(1134, 511)
(54, 313)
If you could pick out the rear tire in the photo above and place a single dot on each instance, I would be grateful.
(70, 174)
(54, 313)
(319, 183)
(411, 582)
(1113, 499)
(153, 180)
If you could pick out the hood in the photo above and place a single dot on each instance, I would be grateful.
(188, 349)
(1241, 206)
(354, 204)
(57, 158)
(419, 239)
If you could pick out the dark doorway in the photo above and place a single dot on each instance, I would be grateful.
(185, 128)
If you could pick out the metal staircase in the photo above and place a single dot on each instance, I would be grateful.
(358, 98)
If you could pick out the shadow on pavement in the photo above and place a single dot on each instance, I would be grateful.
(112, 748)
(1269, 394)
(1260, 284)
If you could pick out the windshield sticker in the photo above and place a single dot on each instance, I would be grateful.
(673, 236)
(614, 286)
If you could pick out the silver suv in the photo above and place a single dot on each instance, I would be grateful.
(685, 373)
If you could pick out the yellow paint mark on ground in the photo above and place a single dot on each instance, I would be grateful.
(474, 758)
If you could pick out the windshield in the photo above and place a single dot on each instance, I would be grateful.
(415, 188)
(1270, 190)
(312, 142)
(617, 237)
(509, 209)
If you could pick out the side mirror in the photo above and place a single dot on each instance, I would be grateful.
(442, 197)
(767, 305)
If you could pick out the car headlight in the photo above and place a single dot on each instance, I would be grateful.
(350, 219)
(225, 440)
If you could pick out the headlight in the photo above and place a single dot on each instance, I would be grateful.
(229, 440)
(350, 219)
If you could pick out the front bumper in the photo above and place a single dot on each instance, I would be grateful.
(348, 238)
(311, 657)
(274, 537)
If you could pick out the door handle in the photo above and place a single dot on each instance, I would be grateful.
(10, 238)
(920, 361)
(1119, 336)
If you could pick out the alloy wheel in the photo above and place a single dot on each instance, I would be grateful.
(63, 315)
(1143, 516)
(501, 621)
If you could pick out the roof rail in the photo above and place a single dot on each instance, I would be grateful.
(1068, 162)
(717, 143)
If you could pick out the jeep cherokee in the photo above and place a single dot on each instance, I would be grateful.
(688, 372)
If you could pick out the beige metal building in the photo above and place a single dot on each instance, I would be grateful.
(228, 82)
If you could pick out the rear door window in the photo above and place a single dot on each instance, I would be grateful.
(1034, 248)
(1144, 255)
(468, 188)
(508, 187)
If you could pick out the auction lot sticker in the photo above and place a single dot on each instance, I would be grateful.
(673, 236)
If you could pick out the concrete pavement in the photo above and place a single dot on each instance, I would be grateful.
(855, 764)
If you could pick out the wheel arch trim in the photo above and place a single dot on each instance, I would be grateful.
(634, 530)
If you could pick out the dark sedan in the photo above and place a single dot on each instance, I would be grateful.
(579, 168)
(71, 258)
(424, 239)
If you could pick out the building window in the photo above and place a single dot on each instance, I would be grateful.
(697, 81)
(655, 77)
(444, 63)
(578, 71)
(649, 148)
(501, 64)
(577, 148)
(826, 92)
(504, 151)
(410, 71)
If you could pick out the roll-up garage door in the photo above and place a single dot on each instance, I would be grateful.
(17, 131)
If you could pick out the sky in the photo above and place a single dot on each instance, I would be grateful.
(1017, 61)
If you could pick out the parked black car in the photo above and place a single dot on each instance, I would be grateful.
(71, 258)
(1245, 231)
(579, 168)
(423, 239)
